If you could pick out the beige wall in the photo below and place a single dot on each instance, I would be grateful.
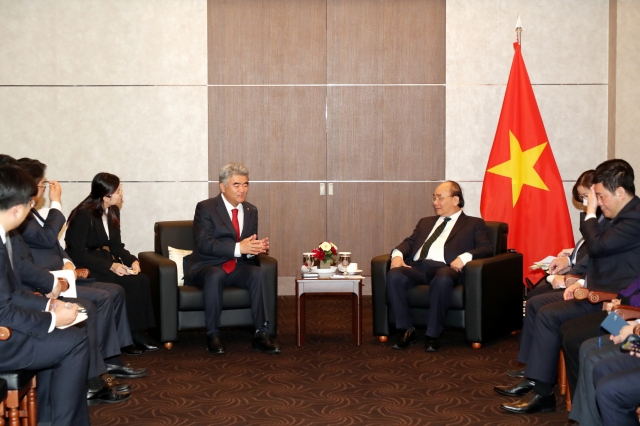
(122, 86)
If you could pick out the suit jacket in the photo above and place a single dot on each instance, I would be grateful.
(27, 272)
(614, 249)
(86, 238)
(22, 312)
(469, 235)
(215, 236)
(43, 240)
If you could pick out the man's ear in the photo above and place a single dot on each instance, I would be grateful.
(620, 192)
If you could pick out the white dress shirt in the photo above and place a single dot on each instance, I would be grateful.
(229, 207)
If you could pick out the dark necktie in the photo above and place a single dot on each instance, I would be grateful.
(9, 250)
(36, 214)
(230, 265)
(427, 244)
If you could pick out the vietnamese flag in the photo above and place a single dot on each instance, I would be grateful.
(522, 184)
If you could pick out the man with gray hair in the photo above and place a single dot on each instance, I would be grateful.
(225, 230)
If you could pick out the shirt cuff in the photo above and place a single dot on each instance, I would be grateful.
(236, 252)
(396, 253)
(550, 278)
(466, 257)
(590, 216)
(65, 261)
(581, 282)
(53, 322)
(56, 205)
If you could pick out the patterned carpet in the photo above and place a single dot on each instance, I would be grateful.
(328, 381)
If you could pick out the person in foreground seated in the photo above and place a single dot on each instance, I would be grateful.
(95, 224)
(225, 230)
(35, 343)
(613, 246)
(435, 254)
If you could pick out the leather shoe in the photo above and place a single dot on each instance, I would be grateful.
(408, 338)
(516, 374)
(521, 388)
(262, 342)
(143, 341)
(431, 344)
(106, 394)
(114, 384)
(215, 345)
(126, 371)
(532, 403)
(132, 350)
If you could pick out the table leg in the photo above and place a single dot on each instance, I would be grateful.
(356, 313)
(300, 318)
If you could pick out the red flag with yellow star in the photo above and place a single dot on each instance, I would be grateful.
(522, 184)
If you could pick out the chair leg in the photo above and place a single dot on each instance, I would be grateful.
(14, 416)
(476, 345)
(168, 345)
(383, 339)
(32, 406)
(567, 400)
(562, 375)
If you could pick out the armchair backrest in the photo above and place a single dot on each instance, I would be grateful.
(175, 233)
(498, 232)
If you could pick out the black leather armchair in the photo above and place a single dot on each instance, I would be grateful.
(487, 302)
(182, 307)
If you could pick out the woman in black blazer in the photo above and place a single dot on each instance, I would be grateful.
(93, 242)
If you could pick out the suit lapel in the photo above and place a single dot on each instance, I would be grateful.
(221, 209)
(462, 220)
(249, 218)
(4, 256)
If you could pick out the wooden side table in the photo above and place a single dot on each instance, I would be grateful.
(329, 286)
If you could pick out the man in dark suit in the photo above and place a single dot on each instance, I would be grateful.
(225, 230)
(435, 254)
(614, 249)
(617, 382)
(36, 343)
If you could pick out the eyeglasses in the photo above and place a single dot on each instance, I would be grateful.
(439, 198)
(44, 185)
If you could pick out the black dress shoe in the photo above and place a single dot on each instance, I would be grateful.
(521, 388)
(106, 394)
(408, 338)
(516, 374)
(431, 344)
(132, 350)
(114, 384)
(215, 345)
(126, 371)
(262, 342)
(143, 341)
(532, 403)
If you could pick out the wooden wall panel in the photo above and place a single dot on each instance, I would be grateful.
(238, 41)
(267, 42)
(414, 41)
(414, 132)
(298, 222)
(355, 42)
(297, 42)
(238, 129)
(355, 220)
(296, 143)
(404, 204)
(354, 133)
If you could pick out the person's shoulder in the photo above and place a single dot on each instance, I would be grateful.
(248, 206)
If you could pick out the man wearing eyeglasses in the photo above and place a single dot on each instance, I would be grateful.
(435, 254)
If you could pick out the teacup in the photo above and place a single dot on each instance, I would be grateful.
(352, 268)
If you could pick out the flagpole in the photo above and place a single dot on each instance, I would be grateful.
(519, 31)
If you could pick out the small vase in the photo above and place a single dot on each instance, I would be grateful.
(325, 265)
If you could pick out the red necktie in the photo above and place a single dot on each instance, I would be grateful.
(230, 265)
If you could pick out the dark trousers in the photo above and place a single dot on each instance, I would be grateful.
(441, 280)
(64, 355)
(213, 280)
(617, 382)
(138, 297)
(573, 334)
(540, 347)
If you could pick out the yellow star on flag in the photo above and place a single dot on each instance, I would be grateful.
(520, 167)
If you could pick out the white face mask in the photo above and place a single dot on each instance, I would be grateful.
(585, 202)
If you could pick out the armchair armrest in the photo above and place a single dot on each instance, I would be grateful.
(593, 296)
(493, 296)
(5, 333)
(379, 267)
(163, 280)
(627, 312)
(270, 267)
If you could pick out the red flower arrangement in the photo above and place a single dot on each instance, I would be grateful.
(325, 251)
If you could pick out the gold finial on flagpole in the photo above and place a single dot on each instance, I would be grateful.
(518, 30)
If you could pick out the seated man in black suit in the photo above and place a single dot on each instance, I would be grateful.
(435, 254)
(36, 344)
(613, 246)
(225, 230)
(617, 383)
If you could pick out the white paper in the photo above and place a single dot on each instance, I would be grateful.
(81, 317)
(546, 261)
(347, 277)
(70, 276)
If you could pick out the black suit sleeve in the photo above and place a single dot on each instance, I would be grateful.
(30, 274)
(622, 237)
(77, 239)
(406, 247)
(42, 237)
(482, 244)
(116, 246)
